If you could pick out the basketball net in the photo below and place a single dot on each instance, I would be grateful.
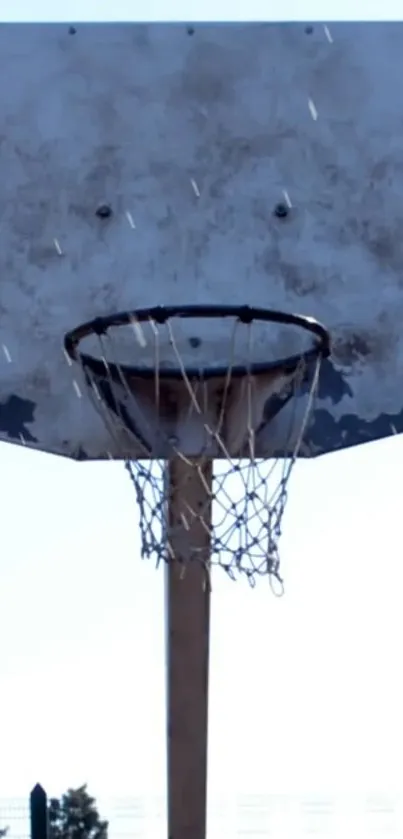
(195, 419)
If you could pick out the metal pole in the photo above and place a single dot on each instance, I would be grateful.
(188, 631)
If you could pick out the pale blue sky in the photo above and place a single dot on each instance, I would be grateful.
(122, 10)
(308, 688)
(310, 684)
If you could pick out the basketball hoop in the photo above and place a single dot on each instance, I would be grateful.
(166, 411)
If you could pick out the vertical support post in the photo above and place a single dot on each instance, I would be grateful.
(38, 807)
(188, 635)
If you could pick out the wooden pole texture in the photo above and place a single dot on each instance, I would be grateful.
(188, 631)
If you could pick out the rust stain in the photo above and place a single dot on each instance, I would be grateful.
(352, 346)
(300, 280)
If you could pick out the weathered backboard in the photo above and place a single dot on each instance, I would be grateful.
(145, 164)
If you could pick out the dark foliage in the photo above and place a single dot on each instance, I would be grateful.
(75, 816)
